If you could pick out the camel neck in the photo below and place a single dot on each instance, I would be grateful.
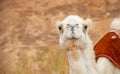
(81, 62)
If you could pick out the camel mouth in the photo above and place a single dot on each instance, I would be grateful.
(73, 38)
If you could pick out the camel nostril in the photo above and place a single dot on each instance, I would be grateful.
(72, 28)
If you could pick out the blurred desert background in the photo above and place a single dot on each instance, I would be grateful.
(28, 35)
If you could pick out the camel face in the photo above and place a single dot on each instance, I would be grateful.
(72, 30)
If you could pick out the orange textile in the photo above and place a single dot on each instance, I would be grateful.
(109, 47)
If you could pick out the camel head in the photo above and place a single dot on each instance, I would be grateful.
(115, 26)
(72, 30)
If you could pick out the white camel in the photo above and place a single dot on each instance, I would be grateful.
(104, 65)
(73, 37)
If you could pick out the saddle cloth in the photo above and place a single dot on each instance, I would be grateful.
(109, 47)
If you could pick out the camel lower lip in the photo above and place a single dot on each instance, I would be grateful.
(73, 38)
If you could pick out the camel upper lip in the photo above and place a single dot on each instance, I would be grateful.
(73, 38)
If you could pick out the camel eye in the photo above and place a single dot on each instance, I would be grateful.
(85, 27)
(60, 28)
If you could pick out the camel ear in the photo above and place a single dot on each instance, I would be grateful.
(87, 23)
(59, 26)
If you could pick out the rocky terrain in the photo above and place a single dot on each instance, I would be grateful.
(28, 36)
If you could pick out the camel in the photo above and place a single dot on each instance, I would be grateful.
(74, 38)
(104, 65)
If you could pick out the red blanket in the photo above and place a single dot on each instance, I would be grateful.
(109, 47)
